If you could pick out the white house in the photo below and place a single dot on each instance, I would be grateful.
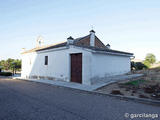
(83, 60)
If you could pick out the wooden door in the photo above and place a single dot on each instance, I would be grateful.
(76, 67)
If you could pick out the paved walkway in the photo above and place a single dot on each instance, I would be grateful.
(25, 100)
(95, 86)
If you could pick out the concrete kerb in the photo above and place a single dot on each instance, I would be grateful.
(135, 99)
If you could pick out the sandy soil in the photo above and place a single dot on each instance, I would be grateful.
(147, 86)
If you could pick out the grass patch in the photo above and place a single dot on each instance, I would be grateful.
(135, 82)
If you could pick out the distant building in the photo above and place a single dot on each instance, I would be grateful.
(83, 60)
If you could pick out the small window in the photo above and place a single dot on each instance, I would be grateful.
(46, 60)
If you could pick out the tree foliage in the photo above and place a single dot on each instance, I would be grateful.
(147, 63)
(10, 64)
(151, 58)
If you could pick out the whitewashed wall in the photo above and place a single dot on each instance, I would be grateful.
(27, 63)
(105, 65)
(95, 66)
(58, 64)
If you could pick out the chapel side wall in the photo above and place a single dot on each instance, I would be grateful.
(105, 65)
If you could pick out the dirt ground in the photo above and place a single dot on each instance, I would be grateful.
(147, 86)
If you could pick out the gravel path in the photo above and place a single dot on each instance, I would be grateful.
(24, 100)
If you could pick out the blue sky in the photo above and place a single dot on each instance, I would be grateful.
(127, 25)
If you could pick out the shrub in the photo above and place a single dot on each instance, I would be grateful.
(132, 66)
(147, 63)
(6, 74)
(138, 66)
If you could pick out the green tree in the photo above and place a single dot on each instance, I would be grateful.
(17, 64)
(11, 64)
(151, 58)
(4, 64)
(147, 63)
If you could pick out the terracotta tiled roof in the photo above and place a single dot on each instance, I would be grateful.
(80, 38)
(104, 49)
(45, 47)
(54, 46)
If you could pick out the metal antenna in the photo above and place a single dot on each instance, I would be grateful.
(39, 41)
